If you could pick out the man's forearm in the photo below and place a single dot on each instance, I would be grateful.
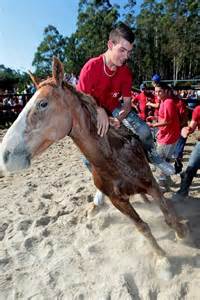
(160, 124)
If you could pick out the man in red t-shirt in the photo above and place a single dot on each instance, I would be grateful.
(194, 160)
(155, 104)
(108, 79)
(168, 125)
(140, 101)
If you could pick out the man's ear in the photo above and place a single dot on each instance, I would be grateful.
(110, 45)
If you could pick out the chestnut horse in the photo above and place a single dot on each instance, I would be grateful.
(119, 164)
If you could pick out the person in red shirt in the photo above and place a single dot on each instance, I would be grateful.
(194, 160)
(109, 80)
(168, 125)
(141, 100)
(155, 102)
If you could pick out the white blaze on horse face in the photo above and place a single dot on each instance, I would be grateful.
(14, 152)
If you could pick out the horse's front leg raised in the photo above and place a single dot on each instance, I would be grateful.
(126, 208)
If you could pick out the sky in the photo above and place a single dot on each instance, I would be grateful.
(22, 24)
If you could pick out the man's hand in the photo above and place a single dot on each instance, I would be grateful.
(126, 108)
(150, 124)
(150, 118)
(185, 132)
(102, 121)
(114, 122)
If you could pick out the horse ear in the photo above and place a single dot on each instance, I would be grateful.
(57, 71)
(34, 79)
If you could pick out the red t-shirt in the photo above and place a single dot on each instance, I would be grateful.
(105, 90)
(169, 133)
(142, 100)
(182, 111)
(196, 115)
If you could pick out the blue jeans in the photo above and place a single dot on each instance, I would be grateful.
(136, 124)
(140, 127)
(178, 152)
(194, 160)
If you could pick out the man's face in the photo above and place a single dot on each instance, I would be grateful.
(160, 93)
(119, 52)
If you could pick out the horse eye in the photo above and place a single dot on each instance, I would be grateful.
(42, 104)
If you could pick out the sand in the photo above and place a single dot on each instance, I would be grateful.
(52, 248)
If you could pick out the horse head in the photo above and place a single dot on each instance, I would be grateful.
(44, 120)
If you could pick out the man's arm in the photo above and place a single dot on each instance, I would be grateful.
(186, 131)
(102, 121)
(85, 85)
(154, 105)
(159, 124)
(168, 115)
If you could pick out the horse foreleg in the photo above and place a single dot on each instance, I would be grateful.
(169, 212)
(126, 208)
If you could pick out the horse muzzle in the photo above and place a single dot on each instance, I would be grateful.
(14, 160)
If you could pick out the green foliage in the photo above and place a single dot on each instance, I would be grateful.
(95, 21)
(8, 74)
(129, 15)
(10, 78)
(168, 39)
(52, 45)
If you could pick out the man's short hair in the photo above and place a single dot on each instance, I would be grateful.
(163, 86)
(122, 31)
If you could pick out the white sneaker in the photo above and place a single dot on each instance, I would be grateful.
(98, 198)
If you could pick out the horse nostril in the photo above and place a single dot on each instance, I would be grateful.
(6, 156)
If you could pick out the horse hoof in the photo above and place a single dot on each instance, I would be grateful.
(163, 268)
(183, 232)
(186, 239)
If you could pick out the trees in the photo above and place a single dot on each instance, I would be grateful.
(8, 77)
(96, 18)
(168, 39)
(52, 45)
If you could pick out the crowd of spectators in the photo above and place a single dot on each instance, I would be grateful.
(178, 105)
(71, 78)
(12, 103)
(146, 103)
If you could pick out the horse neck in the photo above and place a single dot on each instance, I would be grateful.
(81, 122)
(84, 130)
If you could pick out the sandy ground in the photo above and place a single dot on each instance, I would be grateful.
(51, 249)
